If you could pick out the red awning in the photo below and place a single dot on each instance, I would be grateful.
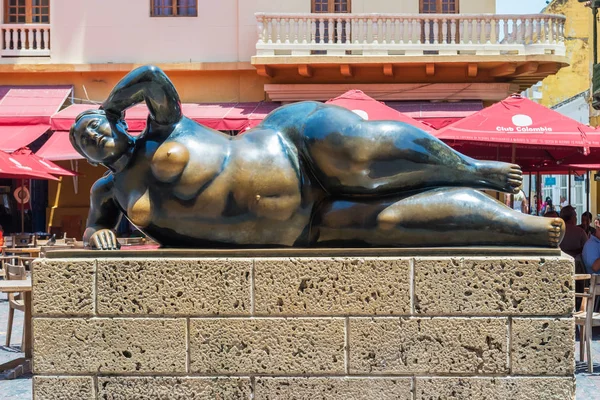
(14, 137)
(437, 115)
(221, 116)
(31, 105)
(371, 109)
(26, 157)
(518, 120)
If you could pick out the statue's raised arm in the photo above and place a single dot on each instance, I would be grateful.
(146, 84)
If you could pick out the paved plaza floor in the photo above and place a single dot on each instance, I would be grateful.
(588, 385)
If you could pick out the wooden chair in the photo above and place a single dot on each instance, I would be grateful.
(586, 319)
(15, 301)
(24, 241)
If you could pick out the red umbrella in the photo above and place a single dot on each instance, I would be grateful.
(527, 126)
(371, 109)
(26, 157)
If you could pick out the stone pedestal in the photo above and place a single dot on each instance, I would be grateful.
(279, 325)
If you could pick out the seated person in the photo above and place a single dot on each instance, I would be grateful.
(575, 237)
(586, 224)
(591, 251)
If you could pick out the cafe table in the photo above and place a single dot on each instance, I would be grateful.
(23, 364)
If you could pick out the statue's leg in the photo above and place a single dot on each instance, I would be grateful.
(436, 217)
(353, 156)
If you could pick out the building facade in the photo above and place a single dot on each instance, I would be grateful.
(257, 50)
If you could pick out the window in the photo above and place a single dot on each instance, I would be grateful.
(27, 11)
(438, 6)
(330, 6)
(173, 8)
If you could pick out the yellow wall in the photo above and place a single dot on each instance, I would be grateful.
(575, 78)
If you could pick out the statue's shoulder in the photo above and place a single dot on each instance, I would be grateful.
(104, 184)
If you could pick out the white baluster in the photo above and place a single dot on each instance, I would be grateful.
(445, 31)
(27, 37)
(330, 30)
(393, 30)
(278, 30)
(355, 30)
(426, 27)
(453, 31)
(304, 30)
(478, 37)
(522, 39)
(488, 31)
(539, 30)
(349, 31)
(313, 30)
(339, 31)
(270, 31)
(46, 39)
(547, 30)
(321, 30)
(410, 31)
(562, 31)
(504, 30)
(470, 23)
(260, 29)
(296, 30)
(375, 30)
(384, 23)
(286, 27)
(436, 31)
(400, 31)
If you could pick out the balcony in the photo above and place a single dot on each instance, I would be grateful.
(434, 48)
(25, 40)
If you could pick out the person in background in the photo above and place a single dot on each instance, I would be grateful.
(575, 237)
(547, 206)
(551, 214)
(586, 224)
(591, 251)
(1, 236)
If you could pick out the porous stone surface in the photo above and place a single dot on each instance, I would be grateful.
(170, 388)
(104, 345)
(63, 287)
(332, 286)
(63, 387)
(542, 346)
(174, 286)
(271, 346)
(494, 286)
(333, 388)
(495, 388)
(423, 345)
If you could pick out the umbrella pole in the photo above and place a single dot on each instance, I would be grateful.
(513, 158)
(538, 189)
(55, 206)
(22, 207)
(529, 196)
(587, 190)
(569, 196)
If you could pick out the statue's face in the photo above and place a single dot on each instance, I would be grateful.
(94, 137)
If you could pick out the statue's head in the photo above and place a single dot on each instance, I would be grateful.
(96, 139)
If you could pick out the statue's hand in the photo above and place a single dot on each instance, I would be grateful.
(104, 239)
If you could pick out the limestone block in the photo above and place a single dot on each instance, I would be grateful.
(495, 388)
(109, 345)
(168, 388)
(174, 286)
(63, 387)
(494, 286)
(423, 345)
(332, 286)
(271, 346)
(333, 388)
(543, 346)
(63, 287)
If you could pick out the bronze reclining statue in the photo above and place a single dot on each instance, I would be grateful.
(309, 175)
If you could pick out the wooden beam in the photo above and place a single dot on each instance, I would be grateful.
(265, 71)
(388, 69)
(430, 69)
(346, 70)
(472, 70)
(548, 69)
(503, 70)
(527, 69)
(305, 71)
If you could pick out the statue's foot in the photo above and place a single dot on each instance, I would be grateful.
(501, 176)
(545, 230)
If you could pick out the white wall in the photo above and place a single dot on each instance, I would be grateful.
(122, 31)
(578, 109)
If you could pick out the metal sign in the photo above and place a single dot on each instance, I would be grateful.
(549, 181)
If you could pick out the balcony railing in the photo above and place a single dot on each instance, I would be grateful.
(25, 40)
(409, 34)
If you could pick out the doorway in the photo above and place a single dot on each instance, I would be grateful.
(438, 7)
(330, 7)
